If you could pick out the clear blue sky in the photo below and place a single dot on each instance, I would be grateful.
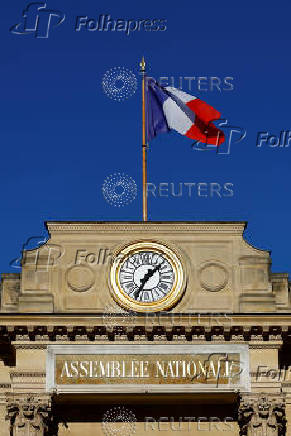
(61, 136)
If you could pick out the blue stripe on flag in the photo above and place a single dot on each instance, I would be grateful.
(155, 119)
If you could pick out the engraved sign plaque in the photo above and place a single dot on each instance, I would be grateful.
(147, 368)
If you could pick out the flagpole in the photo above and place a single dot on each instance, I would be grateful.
(144, 146)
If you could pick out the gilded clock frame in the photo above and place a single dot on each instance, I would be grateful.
(165, 303)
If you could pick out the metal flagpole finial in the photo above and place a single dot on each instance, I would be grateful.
(142, 65)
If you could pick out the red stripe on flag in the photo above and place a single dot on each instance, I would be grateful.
(206, 133)
(203, 110)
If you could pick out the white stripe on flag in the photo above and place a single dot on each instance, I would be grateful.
(183, 96)
(176, 118)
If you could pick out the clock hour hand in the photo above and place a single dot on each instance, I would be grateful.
(146, 277)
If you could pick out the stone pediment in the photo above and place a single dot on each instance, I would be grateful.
(71, 272)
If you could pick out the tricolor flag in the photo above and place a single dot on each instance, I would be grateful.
(170, 108)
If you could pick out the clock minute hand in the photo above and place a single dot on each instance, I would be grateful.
(143, 281)
(148, 275)
(142, 284)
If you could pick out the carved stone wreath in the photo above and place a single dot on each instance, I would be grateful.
(80, 278)
(213, 276)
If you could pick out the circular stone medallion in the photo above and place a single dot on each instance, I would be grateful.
(80, 278)
(213, 277)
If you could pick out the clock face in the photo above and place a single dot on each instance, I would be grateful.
(146, 276)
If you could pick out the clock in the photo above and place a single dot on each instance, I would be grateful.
(146, 277)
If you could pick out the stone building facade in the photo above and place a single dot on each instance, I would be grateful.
(125, 328)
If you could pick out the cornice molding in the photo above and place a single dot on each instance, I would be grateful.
(38, 336)
(227, 228)
(30, 346)
(265, 346)
(23, 373)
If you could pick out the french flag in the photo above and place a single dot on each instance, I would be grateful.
(170, 108)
